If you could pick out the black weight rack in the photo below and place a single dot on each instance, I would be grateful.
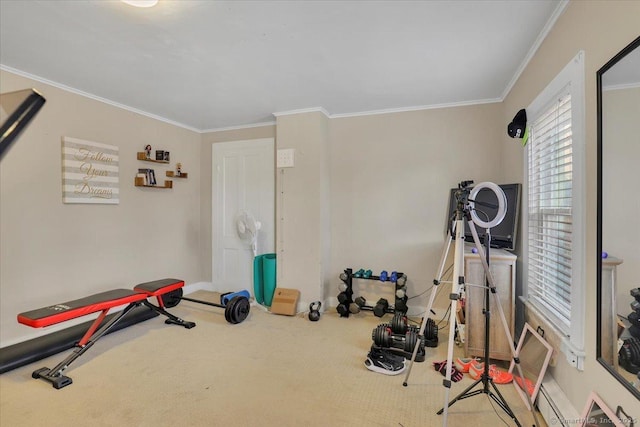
(347, 305)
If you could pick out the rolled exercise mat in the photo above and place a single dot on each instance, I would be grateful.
(269, 277)
(258, 287)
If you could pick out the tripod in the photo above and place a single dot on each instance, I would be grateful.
(462, 214)
(485, 379)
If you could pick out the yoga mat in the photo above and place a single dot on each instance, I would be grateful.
(269, 277)
(258, 289)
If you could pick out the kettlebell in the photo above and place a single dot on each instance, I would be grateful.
(314, 311)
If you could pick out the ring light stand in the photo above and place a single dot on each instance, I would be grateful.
(466, 211)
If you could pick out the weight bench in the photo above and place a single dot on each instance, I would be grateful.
(102, 302)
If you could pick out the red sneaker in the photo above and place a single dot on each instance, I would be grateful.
(498, 376)
(463, 363)
(528, 385)
(476, 369)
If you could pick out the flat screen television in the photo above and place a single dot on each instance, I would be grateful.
(16, 111)
(503, 235)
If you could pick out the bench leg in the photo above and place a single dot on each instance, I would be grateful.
(171, 319)
(54, 376)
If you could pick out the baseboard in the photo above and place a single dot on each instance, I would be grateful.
(553, 404)
(199, 286)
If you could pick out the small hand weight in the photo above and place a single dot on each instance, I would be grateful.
(314, 311)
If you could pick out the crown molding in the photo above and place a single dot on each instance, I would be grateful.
(562, 5)
(302, 111)
(240, 127)
(416, 108)
(95, 97)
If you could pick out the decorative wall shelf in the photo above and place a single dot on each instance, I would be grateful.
(143, 156)
(139, 182)
(172, 174)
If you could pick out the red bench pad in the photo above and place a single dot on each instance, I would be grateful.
(159, 287)
(70, 310)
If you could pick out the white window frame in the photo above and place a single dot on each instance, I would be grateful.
(572, 76)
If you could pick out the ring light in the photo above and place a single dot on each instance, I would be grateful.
(502, 204)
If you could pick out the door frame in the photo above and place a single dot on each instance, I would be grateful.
(216, 196)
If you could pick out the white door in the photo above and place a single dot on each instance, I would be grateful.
(243, 176)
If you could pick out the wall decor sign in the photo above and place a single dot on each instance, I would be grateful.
(90, 172)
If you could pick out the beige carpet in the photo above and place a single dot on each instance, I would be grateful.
(270, 370)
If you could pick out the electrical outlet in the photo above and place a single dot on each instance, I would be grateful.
(285, 158)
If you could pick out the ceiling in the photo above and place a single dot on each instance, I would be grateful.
(208, 65)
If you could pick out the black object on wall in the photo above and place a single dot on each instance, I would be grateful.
(516, 128)
(20, 107)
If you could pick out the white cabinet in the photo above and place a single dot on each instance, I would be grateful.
(502, 265)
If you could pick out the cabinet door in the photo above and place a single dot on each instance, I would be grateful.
(503, 274)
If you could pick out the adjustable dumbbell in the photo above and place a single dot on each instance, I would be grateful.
(399, 325)
(383, 337)
(629, 355)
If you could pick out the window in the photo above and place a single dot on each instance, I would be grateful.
(554, 224)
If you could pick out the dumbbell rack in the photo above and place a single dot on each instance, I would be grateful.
(400, 305)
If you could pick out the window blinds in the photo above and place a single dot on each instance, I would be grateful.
(550, 210)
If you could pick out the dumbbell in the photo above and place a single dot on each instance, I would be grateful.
(226, 297)
(381, 307)
(401, 292)
(384, 276)
(635, 293)
(400, 325)
(401, 280)
(634, 318)
(383, 336)
(401, 305)
(359, 304)
(379, 310)
(343, 298)
(629, 355)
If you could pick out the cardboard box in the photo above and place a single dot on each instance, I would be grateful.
(285, 301)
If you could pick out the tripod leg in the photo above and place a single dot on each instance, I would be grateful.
(436, 282)
(456, 284)
(503, 319)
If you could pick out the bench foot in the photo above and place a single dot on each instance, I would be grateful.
(180, 322)
(57, 381)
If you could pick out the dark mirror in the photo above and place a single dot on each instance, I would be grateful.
(16, 111)
(618, 298)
